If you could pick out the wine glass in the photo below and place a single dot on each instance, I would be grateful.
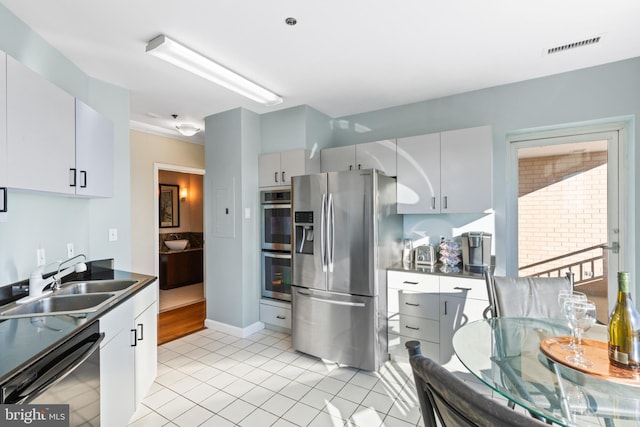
(565, 295)
(582, 316)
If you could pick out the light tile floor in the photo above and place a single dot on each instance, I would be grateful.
(213, 379)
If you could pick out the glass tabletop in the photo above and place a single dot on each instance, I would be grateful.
(504, 353)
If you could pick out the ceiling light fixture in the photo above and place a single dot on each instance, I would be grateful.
(187, 130)
(181, 56)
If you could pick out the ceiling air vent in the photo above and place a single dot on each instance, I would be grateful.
(573, 45)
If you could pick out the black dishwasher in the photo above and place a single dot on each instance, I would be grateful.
(69, 374)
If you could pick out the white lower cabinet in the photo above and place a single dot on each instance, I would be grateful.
(275, 313)
(128, 356)
(431, 308)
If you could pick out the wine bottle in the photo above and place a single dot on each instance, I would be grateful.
(624, 329)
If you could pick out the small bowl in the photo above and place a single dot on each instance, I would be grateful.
(176, 245)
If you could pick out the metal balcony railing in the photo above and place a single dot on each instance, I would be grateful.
(586, 268)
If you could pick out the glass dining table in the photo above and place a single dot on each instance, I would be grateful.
(504, 353)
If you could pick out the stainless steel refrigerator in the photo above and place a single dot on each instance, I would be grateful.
(346, 234)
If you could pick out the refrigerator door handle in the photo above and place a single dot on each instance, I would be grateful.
(345, 303)
(331, 233)
(322, 233)
(328, 301)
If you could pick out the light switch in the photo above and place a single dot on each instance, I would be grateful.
(247, 213)
(113, 234)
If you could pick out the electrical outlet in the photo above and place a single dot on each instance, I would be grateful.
(70, 251)
(40, 258)
(113, 234)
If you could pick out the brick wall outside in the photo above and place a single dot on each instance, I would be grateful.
(562, 208)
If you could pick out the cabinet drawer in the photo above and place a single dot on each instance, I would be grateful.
(418, 304)
(413, 281)
(276, 316)
(414, 327)
(464, 287)
(398, 351)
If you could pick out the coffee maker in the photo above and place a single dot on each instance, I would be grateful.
(476, 251)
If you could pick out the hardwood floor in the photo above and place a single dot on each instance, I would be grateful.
(181, 321)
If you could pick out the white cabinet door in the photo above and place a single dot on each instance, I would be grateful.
(3, 121)
(457, 311)
(3, 137)
(117, 381)
(276, 169)
(293, 163)
(466, 159)
(418, 159)
(269, 170)
(94, 152)
(338, 159)
(380, 155)
(40, 132)
(146, 351)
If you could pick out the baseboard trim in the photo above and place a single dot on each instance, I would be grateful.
(234, 330)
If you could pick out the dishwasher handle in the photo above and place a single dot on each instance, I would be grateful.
(54, 371)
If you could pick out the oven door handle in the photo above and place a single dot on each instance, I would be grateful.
(54, 371)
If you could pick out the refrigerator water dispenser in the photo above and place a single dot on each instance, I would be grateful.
(304, 235)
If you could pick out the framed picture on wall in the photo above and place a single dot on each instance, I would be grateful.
(169, 205)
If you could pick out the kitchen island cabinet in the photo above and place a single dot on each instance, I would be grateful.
(446, 172)
(379, 155)
(276, 169)
(431, 308)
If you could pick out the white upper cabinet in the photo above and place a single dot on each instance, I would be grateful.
(338, 159)
(466, 170)
(40, 132)
(448, 172)
(419, 174)
(94, 153)
(380, 155)
(3, 134)
(276, 169)
(3, 120)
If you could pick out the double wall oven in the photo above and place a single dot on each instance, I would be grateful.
(276, 243)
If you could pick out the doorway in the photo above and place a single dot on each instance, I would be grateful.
(180, 251)
(568, 204)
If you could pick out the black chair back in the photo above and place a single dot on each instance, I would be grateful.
(455, 404)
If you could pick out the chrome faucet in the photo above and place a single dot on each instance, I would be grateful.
(78, 267)
(37, 284)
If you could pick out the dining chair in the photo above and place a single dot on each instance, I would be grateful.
(525, 296)
(522, 297)
(441, 394)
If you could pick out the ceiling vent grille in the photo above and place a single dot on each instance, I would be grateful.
(573, 45)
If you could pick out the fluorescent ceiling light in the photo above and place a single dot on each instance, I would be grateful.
(187, 130)
(185, 58)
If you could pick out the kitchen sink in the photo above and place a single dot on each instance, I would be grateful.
(59, 304)
(94, 286)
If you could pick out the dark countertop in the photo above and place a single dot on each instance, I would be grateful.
(438, 269)
(24, 340)
(170, 251)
